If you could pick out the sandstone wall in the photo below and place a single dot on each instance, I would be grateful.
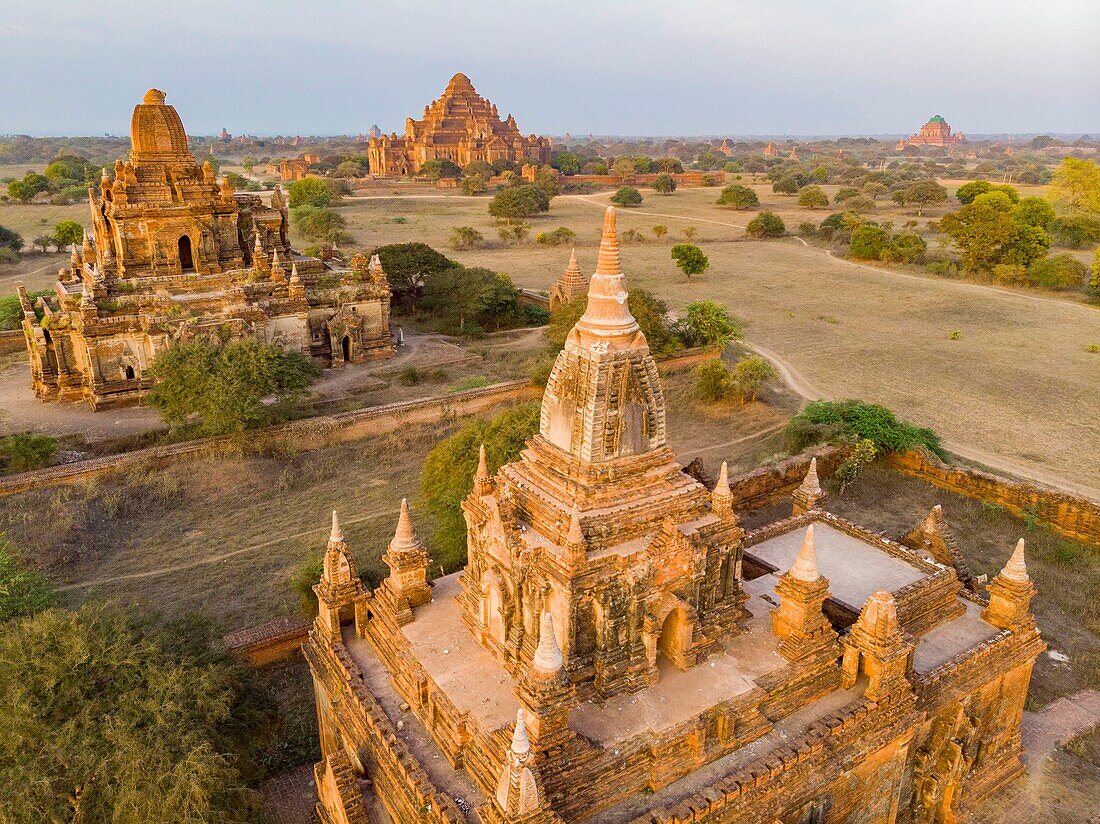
(1070, 515)
(12, 341)
(756, 487)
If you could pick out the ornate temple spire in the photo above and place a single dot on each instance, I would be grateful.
(259, 256)
(339, 585)
(277, 273)
(721, 498)
(1010, 595)
(375, 271)
(809, 495)
(335, 535)
(804, 567)
(408, 559)
(570, 286)
(877, 647)
(483, 482)
(226, 190)
(295, 288)
(1016, 568)
(548, 659)
(405, 538)
(521, 744)
(517, 794)
(607, 315)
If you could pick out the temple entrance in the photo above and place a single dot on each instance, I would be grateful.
(187, 262)
(345, 348)
(129, 373)
(670, 644)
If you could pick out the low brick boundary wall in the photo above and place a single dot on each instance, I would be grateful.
(1070, 515)
(12, 341)
(270, 642)
(756, 487)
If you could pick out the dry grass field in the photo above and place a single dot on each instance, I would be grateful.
(1016, 390)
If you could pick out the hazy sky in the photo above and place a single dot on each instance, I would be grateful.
(609, 66)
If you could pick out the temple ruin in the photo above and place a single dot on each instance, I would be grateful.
(619, 649)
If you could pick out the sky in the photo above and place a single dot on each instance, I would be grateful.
(683, 67)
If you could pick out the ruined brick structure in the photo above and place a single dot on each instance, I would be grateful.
(174, 254)
(461, 126)
(619, 649)
(935, 132)
(571, 285)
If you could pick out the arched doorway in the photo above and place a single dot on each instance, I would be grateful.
(129, 373)
(187, 261)
(670, 643)
(345, 348)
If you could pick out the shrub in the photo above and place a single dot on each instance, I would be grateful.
(627, 196)
(449, 471)
(474, 185)
(519, 202)
(766, 224)
(1093, 289)
(863, 454)
(812, 197)
(1077, 230)
(690, 259)
(907, 247)
(466, 237)
(309, 191)
(750, 374)
(713, 381)
(302, 581)
(535, 315)
(319, 224)
(1058, 272)
(807, 228)
(843, 193)
(664, 184)
(1010, 274)
(738, 196)
(409, 376)
(25, 451)
(854, 420)
(868, 242)
(557, 237)
(706, 323)
(23, 591)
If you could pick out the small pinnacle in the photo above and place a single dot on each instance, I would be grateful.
(521, 744)
(804, 567)
(811, 483)
(548, 659)
(482, 473)
(336, 536)
(576, 535)
(723, 485)
(1016, 568)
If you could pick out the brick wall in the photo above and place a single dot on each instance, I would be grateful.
(12, 341)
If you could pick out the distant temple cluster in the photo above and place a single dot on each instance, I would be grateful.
(461, 126)
(619, 649)
(936, 132)
(174, 255)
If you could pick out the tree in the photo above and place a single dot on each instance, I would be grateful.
(623, 168)
(563, 234)
(766, 224)
(843, 193)
(981, 230)
(738, 196)
(907, 247)
(319, 224)
(42, 242)
(466, 237)
(407, 266)
(1034, 211)
(478, 167)
(859, 204)
(787, 185)
(1058, 272)
(474, 185)
(690, 259)
(32, 184)
(659, 231)
(448, 473)
(70, 167)
(309, 191)
(439, 168)
(1076, 230)
(968, 191)
(669, 165)
(664, 184)
(519, 202)
(812, 197)
(109, 719)
(868, 242)
(706, 323)
(922, 194)
(750, 374)
(224, 386)
(713, 381)
(1093, 289)
(1075, 187)
(10, 239)
(469, 300)
(1029, 244)
(627, 196)
(568, 163)
(874, 189)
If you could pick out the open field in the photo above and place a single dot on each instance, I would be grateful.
(1016, 391)
(225, 535)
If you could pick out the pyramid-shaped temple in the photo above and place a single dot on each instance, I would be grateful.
(619, 649)
(460, 126)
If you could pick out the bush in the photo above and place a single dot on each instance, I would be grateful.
(690, 259)
(713, 381)
(738, 196)
(23, 591)
(706, 323)
(302, 581)
(139, 723)
(750, 374)
(766, 224)
(627, 196)
(309, 191)
(557, 237)
(466, 237)
(812, 197)
(862, 455)
(319, 224)
(1058, 272)
(25, 451)
(474, 185)
(437, 169)
(664, 184)
(868, 242)
(519, 202)
(1076, 231)
(907, 247)
(449, 471)
(852, 421)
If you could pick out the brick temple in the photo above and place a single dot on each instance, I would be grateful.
(175, 254)
(619, 649)
(460, 126)
(936, 132)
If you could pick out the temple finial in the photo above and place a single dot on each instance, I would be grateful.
(576, 534)
(548, 659)
(723, 485)
(804, 567)
(811, 483)
(336, 536)
(608, 261)
(521, 744)
(1016, 568)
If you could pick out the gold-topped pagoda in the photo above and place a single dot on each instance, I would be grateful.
(460, 126)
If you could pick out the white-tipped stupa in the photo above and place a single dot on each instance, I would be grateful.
(1016, 568)
(336, 536)
(547, 658)
(804, 567)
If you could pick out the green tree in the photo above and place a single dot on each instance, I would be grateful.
(478, 167)
(627, 196)
(906, 247)
(439, 168)
(868, 242)
(10, 239)
(1075, 187)
(706, 323)
(319, 224)
(1029, 244)
(664, 184)
(1058, 272)
(568, 163)
(922, 194)
(23, 591)
(1034, 211)
(32, 184)
(713, 381)
(1076, 230)
(766, 224)
(690, 259)
(519, 202)
(407, 266)
(470, 300)
(623, 168)
(787, 185)
(968, 191)
(70, 167)
(749, 375)
(874, 189)
(474, 185)
(106, 719)
(843, 193)
(738, 196)
(465, 237)
(309, 191)
(224, 386)
(449, 468)
(981, 230)
(812, 197)
(850, 421)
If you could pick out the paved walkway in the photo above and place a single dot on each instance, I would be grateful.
(1057, 723)
(289, 797)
